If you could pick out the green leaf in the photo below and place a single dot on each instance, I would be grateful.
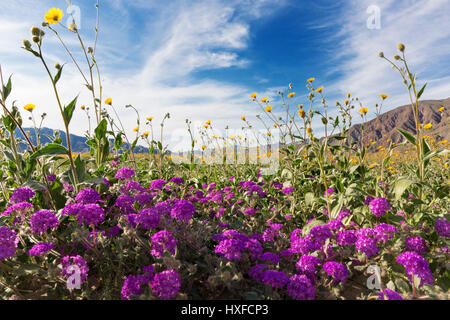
(69, 109)
(80, 168)
(309, 198)
(337, 208)
(35, 185)
(7, 89)
(390, 285)
(419, 94)
(402, 285)
(310, 225)
(49, 149)
(339, 185)
(133, 145)
(118, 141)
(400, 187)
(426, 148)
(100, 131)
(408, 136)
(58, 75)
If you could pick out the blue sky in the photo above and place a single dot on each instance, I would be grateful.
(202, 59)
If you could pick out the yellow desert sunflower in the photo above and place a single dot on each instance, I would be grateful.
(29, 107)
(53, 15)
(319, 89)
(364, 110)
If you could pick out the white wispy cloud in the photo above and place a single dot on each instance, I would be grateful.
(151, 67)
(423, 26)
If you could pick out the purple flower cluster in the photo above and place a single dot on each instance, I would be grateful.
(124, 174)
(390, 295)
(166, 284)
(384, 232)
(379, 206)
(257, 271)
(277, 279)
(320, 233)
(336, 270)
(91, 214)
(177, 180)
(87, 196)
(182, 210)
(416, 265)
(161, 241)
(230, 248)
(158, 184)
(131, 286)
(307, 265)
(22, 194)
(288, 190)
(305, 245)
(442, 227)
(41, 248)
(20, 209)
(270, 257)
(367, 246)
(8, 243)
(70, 264)
(346, 237)
(416, 244)
(300, 287)
(125, 203)
(43, 220)
(148, 219)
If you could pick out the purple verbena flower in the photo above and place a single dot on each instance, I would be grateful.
(87, 195)
(8, 243)
(148, 218)
(416, 265)
(442, 227)
(379, 206)
(166, 284)
(300, 288)
(182, 210)
(390, 295)
(270, 257)
(43, 220)
(22, 194)
(124, 174)
(162, 241)
(278, 279)
(158, 184)
(416, 244)
(40, 249)
(230, 249)
(131, 286)
(336, 270)
(72, 264)
(256, 271)
(91, 214)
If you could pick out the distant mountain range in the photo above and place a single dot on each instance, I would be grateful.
(78, 142)
(402, 117)
(380, 130)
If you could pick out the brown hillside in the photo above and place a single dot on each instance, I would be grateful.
(402, 117)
